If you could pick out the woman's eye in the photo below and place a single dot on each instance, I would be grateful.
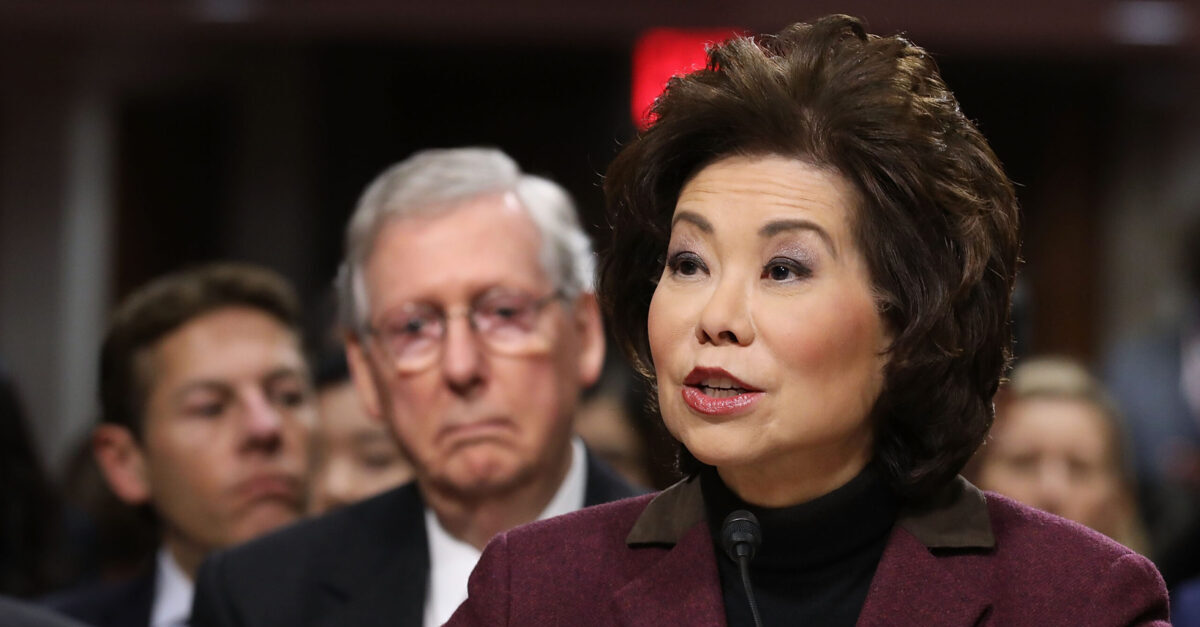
(685, 264)
(784, 270)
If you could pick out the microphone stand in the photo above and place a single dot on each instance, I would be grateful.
(741, 537)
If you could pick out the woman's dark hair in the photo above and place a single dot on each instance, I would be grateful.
(166, 304)
(936, 217)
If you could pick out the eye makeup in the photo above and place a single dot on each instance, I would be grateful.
(800, 229)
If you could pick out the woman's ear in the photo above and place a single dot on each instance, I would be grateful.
(363, 376)
(590, 328)
(123, 463)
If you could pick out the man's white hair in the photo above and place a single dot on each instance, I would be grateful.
(431, 182)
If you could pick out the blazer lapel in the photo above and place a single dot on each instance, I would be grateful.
(681, 588)
(935, 569)
(913, 586)
(378, 575)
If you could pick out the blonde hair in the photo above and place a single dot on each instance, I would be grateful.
(1064, 378)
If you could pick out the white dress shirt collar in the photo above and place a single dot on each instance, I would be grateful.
(452, 560)
(173, 591)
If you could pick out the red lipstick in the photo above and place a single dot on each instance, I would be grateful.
(715, 392)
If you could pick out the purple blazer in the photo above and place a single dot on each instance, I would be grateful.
(968, 559)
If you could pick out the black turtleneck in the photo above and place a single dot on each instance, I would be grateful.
(816, 560)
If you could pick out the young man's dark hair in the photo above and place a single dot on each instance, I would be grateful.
(166, 304)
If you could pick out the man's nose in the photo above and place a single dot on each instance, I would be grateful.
(463, 361)
(263, 422)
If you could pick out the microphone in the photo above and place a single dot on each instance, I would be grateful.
(741, 537)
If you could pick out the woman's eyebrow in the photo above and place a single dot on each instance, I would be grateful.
(700, 221)
(776, 227)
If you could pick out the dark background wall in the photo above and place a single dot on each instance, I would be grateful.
(141, 136)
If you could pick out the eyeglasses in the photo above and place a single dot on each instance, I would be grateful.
(506, 321)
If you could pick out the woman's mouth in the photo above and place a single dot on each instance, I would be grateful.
(721, 388)
(715, 392)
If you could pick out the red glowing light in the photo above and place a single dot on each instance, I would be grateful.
(661, 53)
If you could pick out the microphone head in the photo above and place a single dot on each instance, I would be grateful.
(740, 535)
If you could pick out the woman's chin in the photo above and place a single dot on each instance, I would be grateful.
(719, 452)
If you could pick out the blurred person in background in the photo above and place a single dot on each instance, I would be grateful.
(30, 509)
(353, 455)
(1058, 444)
(473, 329)
(1155, 379)
(608, 425)
(107, 538)
(206, 405)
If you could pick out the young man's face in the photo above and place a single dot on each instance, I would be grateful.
(227, 414)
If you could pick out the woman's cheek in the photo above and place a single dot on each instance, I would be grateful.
(656, 322)
(663, 330)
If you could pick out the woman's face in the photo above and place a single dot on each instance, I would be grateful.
(767, 343)
(1056, 454)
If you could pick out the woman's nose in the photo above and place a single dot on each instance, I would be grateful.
(726, 318)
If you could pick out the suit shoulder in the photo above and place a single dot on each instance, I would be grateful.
(272, 580)
(101, 603)
(595, 530)
(1059, 568)
(1020, 527)
(289, 543)
(24, 614)
(529, 574)
(597, 519)
(339, 530)
(1039, 545)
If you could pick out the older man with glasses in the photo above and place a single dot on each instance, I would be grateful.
(471, 330)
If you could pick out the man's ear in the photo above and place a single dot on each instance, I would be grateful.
(363, 377)
(590, 328)
(122, 462)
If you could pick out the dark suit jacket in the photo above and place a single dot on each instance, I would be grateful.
(124, 604)
(14, 613)
(966, 560)
(366, 564)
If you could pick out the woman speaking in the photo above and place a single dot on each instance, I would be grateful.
(813, 255)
